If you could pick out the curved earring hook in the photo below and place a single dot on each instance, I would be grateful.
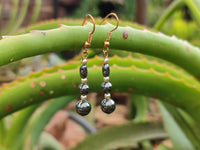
(87, 43)
(110, 14)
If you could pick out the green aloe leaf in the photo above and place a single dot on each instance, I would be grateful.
(177, 4)
(124, 135)
(194, 6)
(37, 123)
(140, 103)
(2, 131)
(13, 134)
(48, 142)
(177, 51)
(180, 133)
(36, 11)
(136, 76)
(163, 147)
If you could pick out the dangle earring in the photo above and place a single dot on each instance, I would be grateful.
(107, 104)
(83, 107)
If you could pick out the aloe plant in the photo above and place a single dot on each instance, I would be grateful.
(167, 69)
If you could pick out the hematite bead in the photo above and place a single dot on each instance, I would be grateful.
(83, 107)
(83, 71)
(106, 87)
(105, 70)
(107, 105)
(83, 89)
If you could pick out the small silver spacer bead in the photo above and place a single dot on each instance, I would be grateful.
(84, 61)
(106, 79)
(83, 80)
(107, 95)
(105, 60)
(83, 97)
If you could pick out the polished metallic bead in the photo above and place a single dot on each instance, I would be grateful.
(83, 89)
(83, 97)
(83, 71)
(108, 105)
(107, 95)
(105, 70)
(84, 61)
(83, 80)
(106, 79)
(106, 87)
(105, 60)
(83, 107)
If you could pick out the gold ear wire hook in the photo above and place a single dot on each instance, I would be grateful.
(87, 43)
(84, 49)
(106, 43)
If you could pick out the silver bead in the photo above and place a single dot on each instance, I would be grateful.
(84, 61)
(105, 60)
(83, 97)
(107, 95)
(106, 79)
(83, 80)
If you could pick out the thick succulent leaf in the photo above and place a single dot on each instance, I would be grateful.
(13, 134)
(12, 18)
(36, 11)
(177, 51)
(124, 135)
(146, 145)
(136, 76)
(181, 135)
(37, 122)
(194, 6)
(163, 147)
(177, 4)
(48, 142)
(2, 131)
(140, 104)
(22, 14)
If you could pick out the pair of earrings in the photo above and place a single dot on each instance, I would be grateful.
(83, 107)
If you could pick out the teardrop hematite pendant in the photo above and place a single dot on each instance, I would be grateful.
(107, 105)
(83, 107)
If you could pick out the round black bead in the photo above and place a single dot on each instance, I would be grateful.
(108, 105)
(83, 71)
(105, 70)
(106, 87)
(83, 107)
(83, 89)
